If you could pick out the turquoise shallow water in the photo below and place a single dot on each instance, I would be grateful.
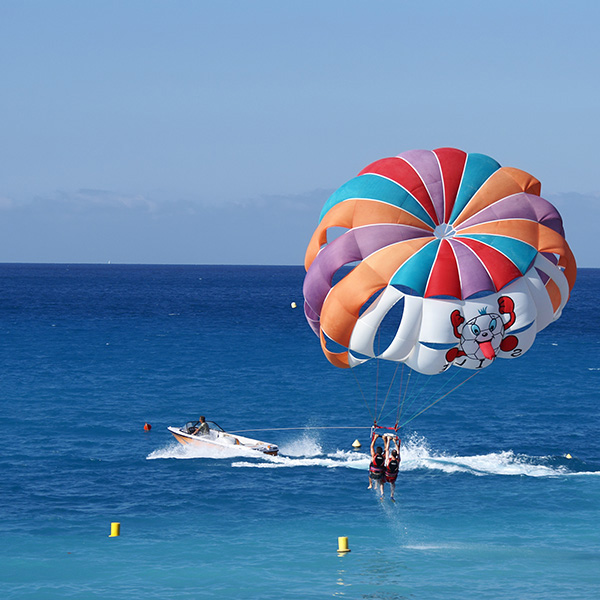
(488, 504)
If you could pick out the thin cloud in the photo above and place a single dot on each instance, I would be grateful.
(94, 225)
(85, 199)
(6, 203)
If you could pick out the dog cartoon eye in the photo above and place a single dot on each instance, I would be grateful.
(475, 329)
(493, 324)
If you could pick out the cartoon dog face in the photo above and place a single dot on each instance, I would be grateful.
(481, 337)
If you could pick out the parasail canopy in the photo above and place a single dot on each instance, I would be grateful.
(465, 254)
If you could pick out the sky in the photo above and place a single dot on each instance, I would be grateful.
(196, 132)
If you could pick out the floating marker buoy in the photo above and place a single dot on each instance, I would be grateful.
(356, 444)
(568, 456)
(293, 305)
(147, 427)
(115, 530)
(343, 545)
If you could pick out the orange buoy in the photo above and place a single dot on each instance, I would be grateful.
(147, 427)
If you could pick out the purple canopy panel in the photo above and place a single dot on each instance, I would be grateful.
(543, 276)
(474, 277)
(518, 206)
(354, 245)
(312, 318)
(426, 164)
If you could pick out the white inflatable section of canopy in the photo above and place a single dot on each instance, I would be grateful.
(428, 321)
(557, 275)
(365, 329)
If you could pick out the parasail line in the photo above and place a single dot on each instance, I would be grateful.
(440, 398)
(296, 429)
(388, 392)
(418, 394)
(377, 373)
(404, 396)
(418, 390)
(399, 393)
(362, 394)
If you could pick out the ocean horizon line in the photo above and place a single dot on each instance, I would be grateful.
(144, 264)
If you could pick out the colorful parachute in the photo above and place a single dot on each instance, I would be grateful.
(474, 257)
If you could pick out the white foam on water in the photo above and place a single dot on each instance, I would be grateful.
(428, 547)
(339, 458)
(306, 451)
(306, 445)
(416, 454)
(179, 451)
(496, 463)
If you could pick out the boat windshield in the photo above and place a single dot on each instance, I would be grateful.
(214, 425)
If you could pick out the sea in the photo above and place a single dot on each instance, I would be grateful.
(498, 495)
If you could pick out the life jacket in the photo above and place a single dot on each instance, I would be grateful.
(392, 467)
(377, 466)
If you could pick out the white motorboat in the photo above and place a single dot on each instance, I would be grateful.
(218, 438)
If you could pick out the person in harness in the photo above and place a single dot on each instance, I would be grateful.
(392, 464)
(377, 466)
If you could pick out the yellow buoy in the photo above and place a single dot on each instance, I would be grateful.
(115, 530)
(568, 456)
(356, 444)
(343, 544)
(293, 305)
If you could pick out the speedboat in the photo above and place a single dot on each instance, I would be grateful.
(218, 438)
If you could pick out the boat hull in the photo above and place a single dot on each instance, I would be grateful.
(223, 441)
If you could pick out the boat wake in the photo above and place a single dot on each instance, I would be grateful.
(417, 454)
(307, 451)
(178, 451)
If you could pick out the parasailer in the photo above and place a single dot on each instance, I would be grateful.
(377, 466)
(392, 463)
(461, 257)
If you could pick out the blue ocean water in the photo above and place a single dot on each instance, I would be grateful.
(488, 503)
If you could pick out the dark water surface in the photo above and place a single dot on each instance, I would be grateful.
(489, 505)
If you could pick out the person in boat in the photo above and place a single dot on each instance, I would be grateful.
(392, 464)
(202, 427)
(377, 466)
